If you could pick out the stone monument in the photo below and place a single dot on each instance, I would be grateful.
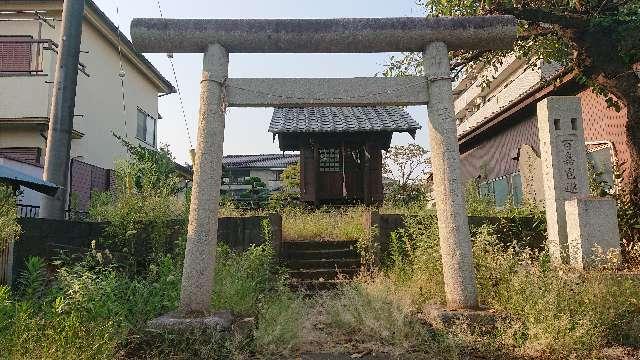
(580, 228)
(592, 229)
(530, 167)
(564, 165)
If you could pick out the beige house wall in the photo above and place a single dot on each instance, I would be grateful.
(99, 101)
(268, 177)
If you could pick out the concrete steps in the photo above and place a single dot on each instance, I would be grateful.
(320, 265)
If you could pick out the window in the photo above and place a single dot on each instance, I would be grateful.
(330, 160)
(15, 54)
(146, 129)
(504, 190)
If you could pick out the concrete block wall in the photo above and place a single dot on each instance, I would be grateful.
(45, 238)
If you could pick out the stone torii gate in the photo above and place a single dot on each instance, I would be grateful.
(217, 38)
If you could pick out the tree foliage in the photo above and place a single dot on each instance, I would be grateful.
(148, 170)
(406, 163)
(9, 228)
(145, 201)
(291, 177)
(407, 166)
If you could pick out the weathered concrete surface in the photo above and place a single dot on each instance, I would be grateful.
(564, 165)
(592, 229)
(364, 35)
(220, 321)
(199, 260)
(443, 318)
(453, 224)
(377, 91)
(530, 167)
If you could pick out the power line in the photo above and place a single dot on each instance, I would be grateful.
(121, 73)
(175, 79)
(184, 114)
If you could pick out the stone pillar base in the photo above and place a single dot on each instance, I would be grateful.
(220, 321)
(441, 317)
(592, 228)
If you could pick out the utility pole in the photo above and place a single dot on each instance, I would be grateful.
(63, 103)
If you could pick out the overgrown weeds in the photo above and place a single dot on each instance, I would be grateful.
(95, 312)
(9, 228)
(550, 311)
(340, 224)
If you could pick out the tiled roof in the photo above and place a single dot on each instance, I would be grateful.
(261, 161)
(342, 119)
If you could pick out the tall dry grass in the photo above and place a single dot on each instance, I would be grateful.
(337, 224)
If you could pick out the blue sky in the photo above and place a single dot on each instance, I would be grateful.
(246, 129)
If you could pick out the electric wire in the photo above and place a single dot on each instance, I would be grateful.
(175, 79)
(121, 73)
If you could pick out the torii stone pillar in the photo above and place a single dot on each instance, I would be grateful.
(453, 224)
(202, 236)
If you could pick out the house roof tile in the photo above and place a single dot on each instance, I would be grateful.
(261, 161)
(342, 119)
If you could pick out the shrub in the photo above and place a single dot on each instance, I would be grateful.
(95, 311)
(145, 199)
(558, 311)
(33, 279)
(243, 277)
(553, 311)
(85, 313)
(9, 228)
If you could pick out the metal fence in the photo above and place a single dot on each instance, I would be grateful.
(28, 211)
(33, 211)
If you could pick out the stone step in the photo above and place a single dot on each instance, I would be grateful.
(313, 286)
(287, 254)
(340, 263)
(324, 274)
(318, 245)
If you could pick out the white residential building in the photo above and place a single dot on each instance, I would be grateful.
(109, 100)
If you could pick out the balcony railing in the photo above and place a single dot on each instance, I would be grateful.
(32, 211)
(22, 55)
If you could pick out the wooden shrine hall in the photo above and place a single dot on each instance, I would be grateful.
(340, 149)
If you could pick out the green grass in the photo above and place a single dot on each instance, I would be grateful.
(342, 224)
(543, 311)
(92, 312)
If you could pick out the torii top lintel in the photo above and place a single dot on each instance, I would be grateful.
(354, 35)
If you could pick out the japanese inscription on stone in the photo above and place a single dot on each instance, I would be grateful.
(567, 149)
